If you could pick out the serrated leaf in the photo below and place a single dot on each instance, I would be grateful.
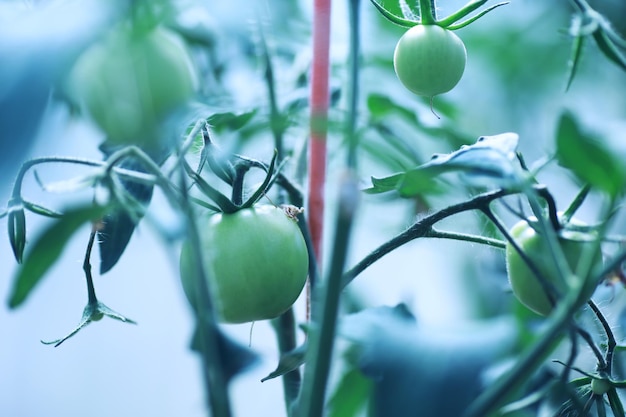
(588, 157)
(288, 362)
(46, 249)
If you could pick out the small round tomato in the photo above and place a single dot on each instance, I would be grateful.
(600, 386)
(129, 82)
(429, 60)
(256, 263)
(526, 286)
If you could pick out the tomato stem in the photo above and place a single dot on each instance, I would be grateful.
(427, 12)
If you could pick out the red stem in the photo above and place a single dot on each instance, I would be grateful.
(318, 124)
(318, 128)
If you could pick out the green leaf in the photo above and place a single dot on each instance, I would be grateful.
(47, 248)
(474, 18)
(491, 161)
(588, 158)
(381, 106)
(237, 358)
(288, 362)
(419, 182)
(393, 11)
(230, 120)
(416, 367)
(351, 395)
(385, 184)
(572, 65)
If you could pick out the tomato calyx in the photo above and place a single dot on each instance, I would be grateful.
(232, 172)
(425, 15)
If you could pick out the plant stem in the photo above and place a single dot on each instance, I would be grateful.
(611, 343)
(327, 294)
(212, 361)
(496, 243)
(285, 327)
(91, 292)
(427, 12)
(318, 123)
(324, 318)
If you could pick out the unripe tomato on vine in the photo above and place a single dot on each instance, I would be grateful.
(130, 82)
(429, 60)
(526, 286)
(255, 260)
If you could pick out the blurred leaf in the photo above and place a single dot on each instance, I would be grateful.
(236, 357)
(288, 362)
(47, 248)
(609, 49)
(43, 211)
(591, 22)
(588, 157)
(386, 184)
(232, 121)
(118, 224)
(419, 371)
(381, 106)
(572, 66)
(351, 395)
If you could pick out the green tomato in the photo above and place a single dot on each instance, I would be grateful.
(526, 286)
(130, 82)
(600, 386)
(429, 60)
(256, 263)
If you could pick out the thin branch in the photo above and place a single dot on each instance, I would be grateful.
(465, 237)
(420, 229)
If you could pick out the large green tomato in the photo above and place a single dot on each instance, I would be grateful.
(256, 263)
(130, 82)
(526, 286)
(429, 60)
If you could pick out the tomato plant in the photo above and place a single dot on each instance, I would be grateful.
(247, 262)
(256, 262)
(526, 285)
(130, 82)
(429, 60)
